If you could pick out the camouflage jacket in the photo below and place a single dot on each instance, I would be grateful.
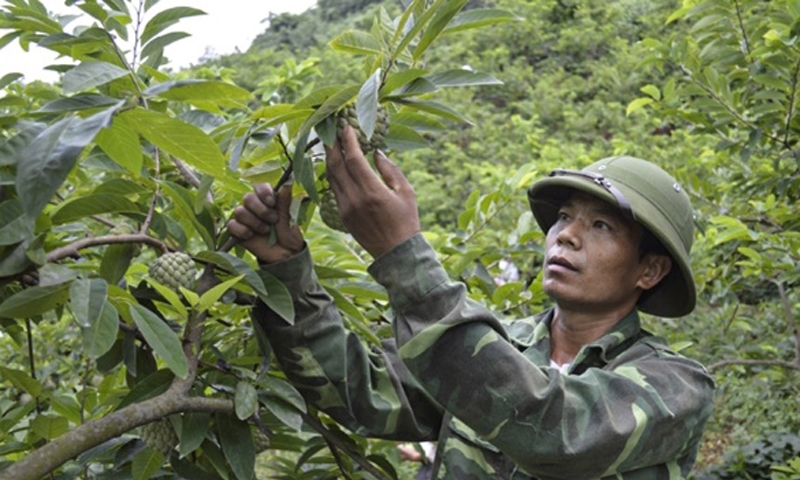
(628, 408)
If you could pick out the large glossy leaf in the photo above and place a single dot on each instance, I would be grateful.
(437, 24)
(166, 18)
(121, 142)
(462, 78)
(402, 138)
(22, 380)
(15, 226)
(35, 301)
(435, 108)
(304, 168)
(161, 338)
(480, 17)
(356, 42)
(49, 426)
(100, 335)
(245, 400)
(237, 445)
(87, 297)
(401, 78)
(94, 204)
(51, 155)
(185, 206)
(419, 24)
(146, 463)
(156, 45)
(332, 104)
(78, 102)
(26, 132)
(188, 90)
(193, 431)
(279, 299)
(179, 138)
(116, 260)
(91, 74)
(9, 78)
(367, 103)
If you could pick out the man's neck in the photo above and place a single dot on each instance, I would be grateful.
(570, 331)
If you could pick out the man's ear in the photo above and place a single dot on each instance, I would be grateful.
(657, 267)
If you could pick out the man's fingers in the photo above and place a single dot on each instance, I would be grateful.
(248, 219)
(355, 161)
(239, 230)
(265, 193)
(392, 175)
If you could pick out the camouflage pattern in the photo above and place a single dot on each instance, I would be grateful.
(628, 408)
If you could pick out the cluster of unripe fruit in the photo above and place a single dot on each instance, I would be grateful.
(160, 436)
(328, 209)
(175, 270)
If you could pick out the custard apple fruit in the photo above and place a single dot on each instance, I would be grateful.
(329, 211)
(348, 115)
(260, 440)
(174, 270)
(160, 436)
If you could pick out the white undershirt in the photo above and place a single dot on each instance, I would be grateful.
(561, 368)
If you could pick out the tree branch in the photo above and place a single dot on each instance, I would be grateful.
(89, 435)
(72, 249)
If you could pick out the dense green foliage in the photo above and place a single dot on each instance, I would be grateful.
(707, 89)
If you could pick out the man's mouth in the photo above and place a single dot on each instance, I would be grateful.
(561, 262)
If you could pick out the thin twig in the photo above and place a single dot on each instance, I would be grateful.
(31, 358)
(136, 31)
(73, 249)
(745, 40)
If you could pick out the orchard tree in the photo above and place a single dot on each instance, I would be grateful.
(124, 303)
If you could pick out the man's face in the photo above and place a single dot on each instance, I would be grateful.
(592, 259)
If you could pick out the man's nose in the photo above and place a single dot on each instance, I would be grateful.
(571, 234)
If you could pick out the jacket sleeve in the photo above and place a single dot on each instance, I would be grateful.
(368, 391)
(551, 425)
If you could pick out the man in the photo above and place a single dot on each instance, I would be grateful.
(576, 392)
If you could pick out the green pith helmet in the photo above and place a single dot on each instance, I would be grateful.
(655, 200)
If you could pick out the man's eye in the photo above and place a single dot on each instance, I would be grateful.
(602, 224)
(563, 216)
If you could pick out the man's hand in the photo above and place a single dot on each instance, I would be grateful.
(380, 214)
(262, 211)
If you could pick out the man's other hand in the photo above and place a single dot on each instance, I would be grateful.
(261, 212)
(380, 213)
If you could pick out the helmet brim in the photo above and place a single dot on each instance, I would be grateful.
(675, 295)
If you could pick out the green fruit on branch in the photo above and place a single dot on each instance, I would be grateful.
(329, 211)
(160, 436)
(175, 269)
(347, 115)
(260, 440)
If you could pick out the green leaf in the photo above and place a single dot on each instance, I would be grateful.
(91, 74)
(285, 391)
(77, 103)
(94, 204)
(480, 17)
(154, 384)
(162, 339)
(186, 208)
(435, 108)
(638, 104)
(157, 44)
(400, 79)
(286, 414)
(401, 138)
(356, 42)
(462, 78)
(35, 301)
(437, 24)
(237, 445)
(49, 426)
(9, 78)
(367, 103)
(116, 260)
(653, 91)
(121, 142)
(279, 299)
(170, 296)
(10, 149)
(22, 380)
(87, 297)
(15, 226)
(212, 295)
(418, 122)
(193, 431)
(51, 155)
(331, 105)
(166, 18)
(100, 336)
(245, 400)
(419, 24)
(146, 463)
(180, 139)
(189, 90)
